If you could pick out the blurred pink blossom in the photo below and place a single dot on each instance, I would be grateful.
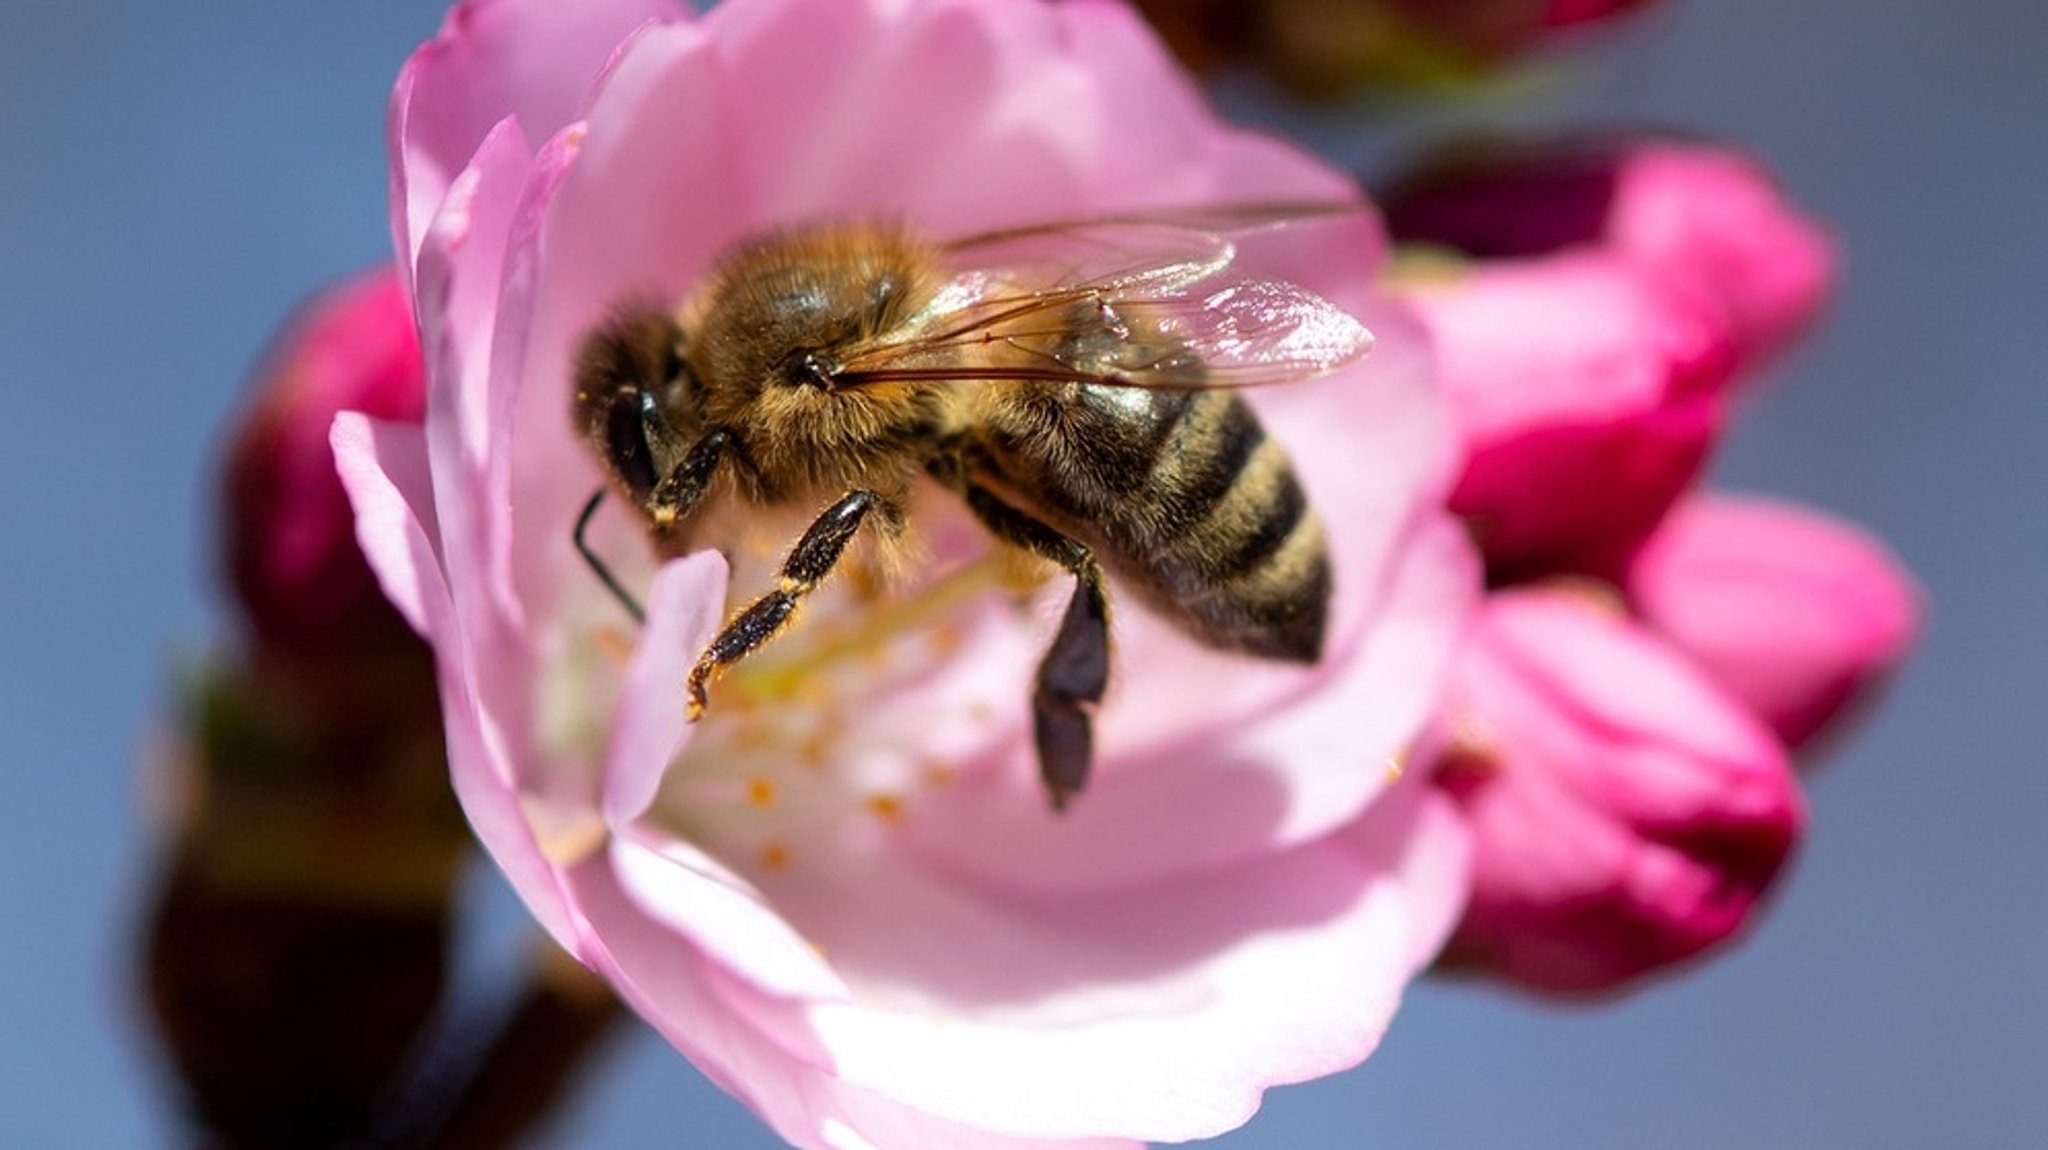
(1795, 615)
(1625, 815)
(1587, 397)
(1615, 294)
(1704, 220)
(291, 545)
(1331, 47)
(1625, 767)
(852, 908)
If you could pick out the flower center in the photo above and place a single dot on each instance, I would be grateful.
(826, 740)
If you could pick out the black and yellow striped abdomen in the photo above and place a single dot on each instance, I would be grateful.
(1181, 494)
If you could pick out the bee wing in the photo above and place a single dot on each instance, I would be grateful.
(1140, 301)
(1161, 248)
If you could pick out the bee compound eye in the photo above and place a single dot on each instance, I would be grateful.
(625, 434)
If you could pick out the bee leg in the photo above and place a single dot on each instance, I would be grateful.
(679, 492)
(1075, 670)
(667, 500)
(813, 558)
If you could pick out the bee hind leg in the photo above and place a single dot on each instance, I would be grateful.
(1075, 670)
(809, 562)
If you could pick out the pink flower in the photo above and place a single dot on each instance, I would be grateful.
(844, 898)
(1625, 814)
(1616, 293)
(291, 544)
(1796, 616)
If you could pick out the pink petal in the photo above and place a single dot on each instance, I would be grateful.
(648, 728)
(723, 1026)
(384, 468)
(1625, 815)
(1164, 1011)
(598, 228)
(692, 894)
(1795, 615)
(529, 60)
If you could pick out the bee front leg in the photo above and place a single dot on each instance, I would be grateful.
(1075, 670)
(667, 500)
(809, 562)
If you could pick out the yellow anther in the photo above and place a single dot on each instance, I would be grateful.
(761, 792)
(775, 856)
(613, 644)
(886, 807)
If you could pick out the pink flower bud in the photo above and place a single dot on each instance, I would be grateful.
(1586, 397)
(1703, 220)
(1795, 615)
(1711, 220)
(1618, 291)
(1566, 13)
(1325, 47)
(1625, 815)
(291, 544)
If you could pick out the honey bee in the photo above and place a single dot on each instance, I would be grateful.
(1069, 382)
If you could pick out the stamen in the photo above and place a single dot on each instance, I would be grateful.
(1472, 752)
(775, 855)
(614, 644)
(804, 657)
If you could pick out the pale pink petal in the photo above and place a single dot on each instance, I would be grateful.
(1166, 1010)
(692, 894)
(878, 90)
(1625, 815)
(384, 468)
(530, 60)
(723, 1026)
(1796, 615)
(648, 728)
(601, 230)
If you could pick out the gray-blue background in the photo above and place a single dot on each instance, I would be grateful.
(173, 177)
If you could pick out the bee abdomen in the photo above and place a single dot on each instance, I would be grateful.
(1226, 538)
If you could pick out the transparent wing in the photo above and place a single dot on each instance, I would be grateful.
(1143, 301)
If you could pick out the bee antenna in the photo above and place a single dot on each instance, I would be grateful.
(597, 565)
